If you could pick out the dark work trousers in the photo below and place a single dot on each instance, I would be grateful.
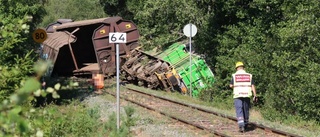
(242, 106)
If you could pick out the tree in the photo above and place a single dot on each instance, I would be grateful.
(277, 40)
(70, 9)
(161, 22)
(18, 19)
(296, 61)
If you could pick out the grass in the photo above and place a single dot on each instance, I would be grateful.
(71, 117)
(78, 119)
(80, 113)
(72, 120)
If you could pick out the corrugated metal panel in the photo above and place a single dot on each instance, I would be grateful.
(80, 23)
(58, 39)
(54, 42)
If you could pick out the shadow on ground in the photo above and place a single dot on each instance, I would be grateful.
(69, 91)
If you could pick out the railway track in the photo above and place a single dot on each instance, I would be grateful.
(211, 121)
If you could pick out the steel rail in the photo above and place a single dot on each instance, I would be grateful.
(171, 116)
(263, 127)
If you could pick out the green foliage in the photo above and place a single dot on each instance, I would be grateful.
(18, 19)
(70, 9)
(161, 22)
(75, 122)
(15, 111)
(130, 120)
(296, 89)
(278, 42)
(215, 96)
(11, 76)
(126, 123)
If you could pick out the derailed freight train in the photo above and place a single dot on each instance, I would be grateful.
(82, 47)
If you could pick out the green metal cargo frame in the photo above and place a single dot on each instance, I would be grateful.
(179, 58)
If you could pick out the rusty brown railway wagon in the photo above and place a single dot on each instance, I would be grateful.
(82, 47)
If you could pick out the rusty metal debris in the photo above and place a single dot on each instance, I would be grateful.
(81, 47)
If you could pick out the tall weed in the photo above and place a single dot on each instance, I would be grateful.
(126, 122)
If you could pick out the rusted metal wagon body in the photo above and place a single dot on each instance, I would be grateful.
(82, 47)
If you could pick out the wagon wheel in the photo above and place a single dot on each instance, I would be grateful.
(104, 58)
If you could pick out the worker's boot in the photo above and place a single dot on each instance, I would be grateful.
(241, 129)
(246, 126)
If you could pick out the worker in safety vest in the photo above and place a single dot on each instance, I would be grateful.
(243, 86)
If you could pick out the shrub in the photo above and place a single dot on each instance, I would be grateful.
(127, 122)
(76, 122)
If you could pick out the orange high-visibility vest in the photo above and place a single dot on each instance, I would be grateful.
(98, 80)
(242, 84)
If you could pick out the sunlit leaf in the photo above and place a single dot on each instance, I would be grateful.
(50, 90)
(32, 84)
(55, 95)
(32, 110)
(43, 94)
(39, 133)
(37, 93)
(57, 86)
(75, 84)
(16, 110)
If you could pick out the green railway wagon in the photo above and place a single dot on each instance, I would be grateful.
(179, 59)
